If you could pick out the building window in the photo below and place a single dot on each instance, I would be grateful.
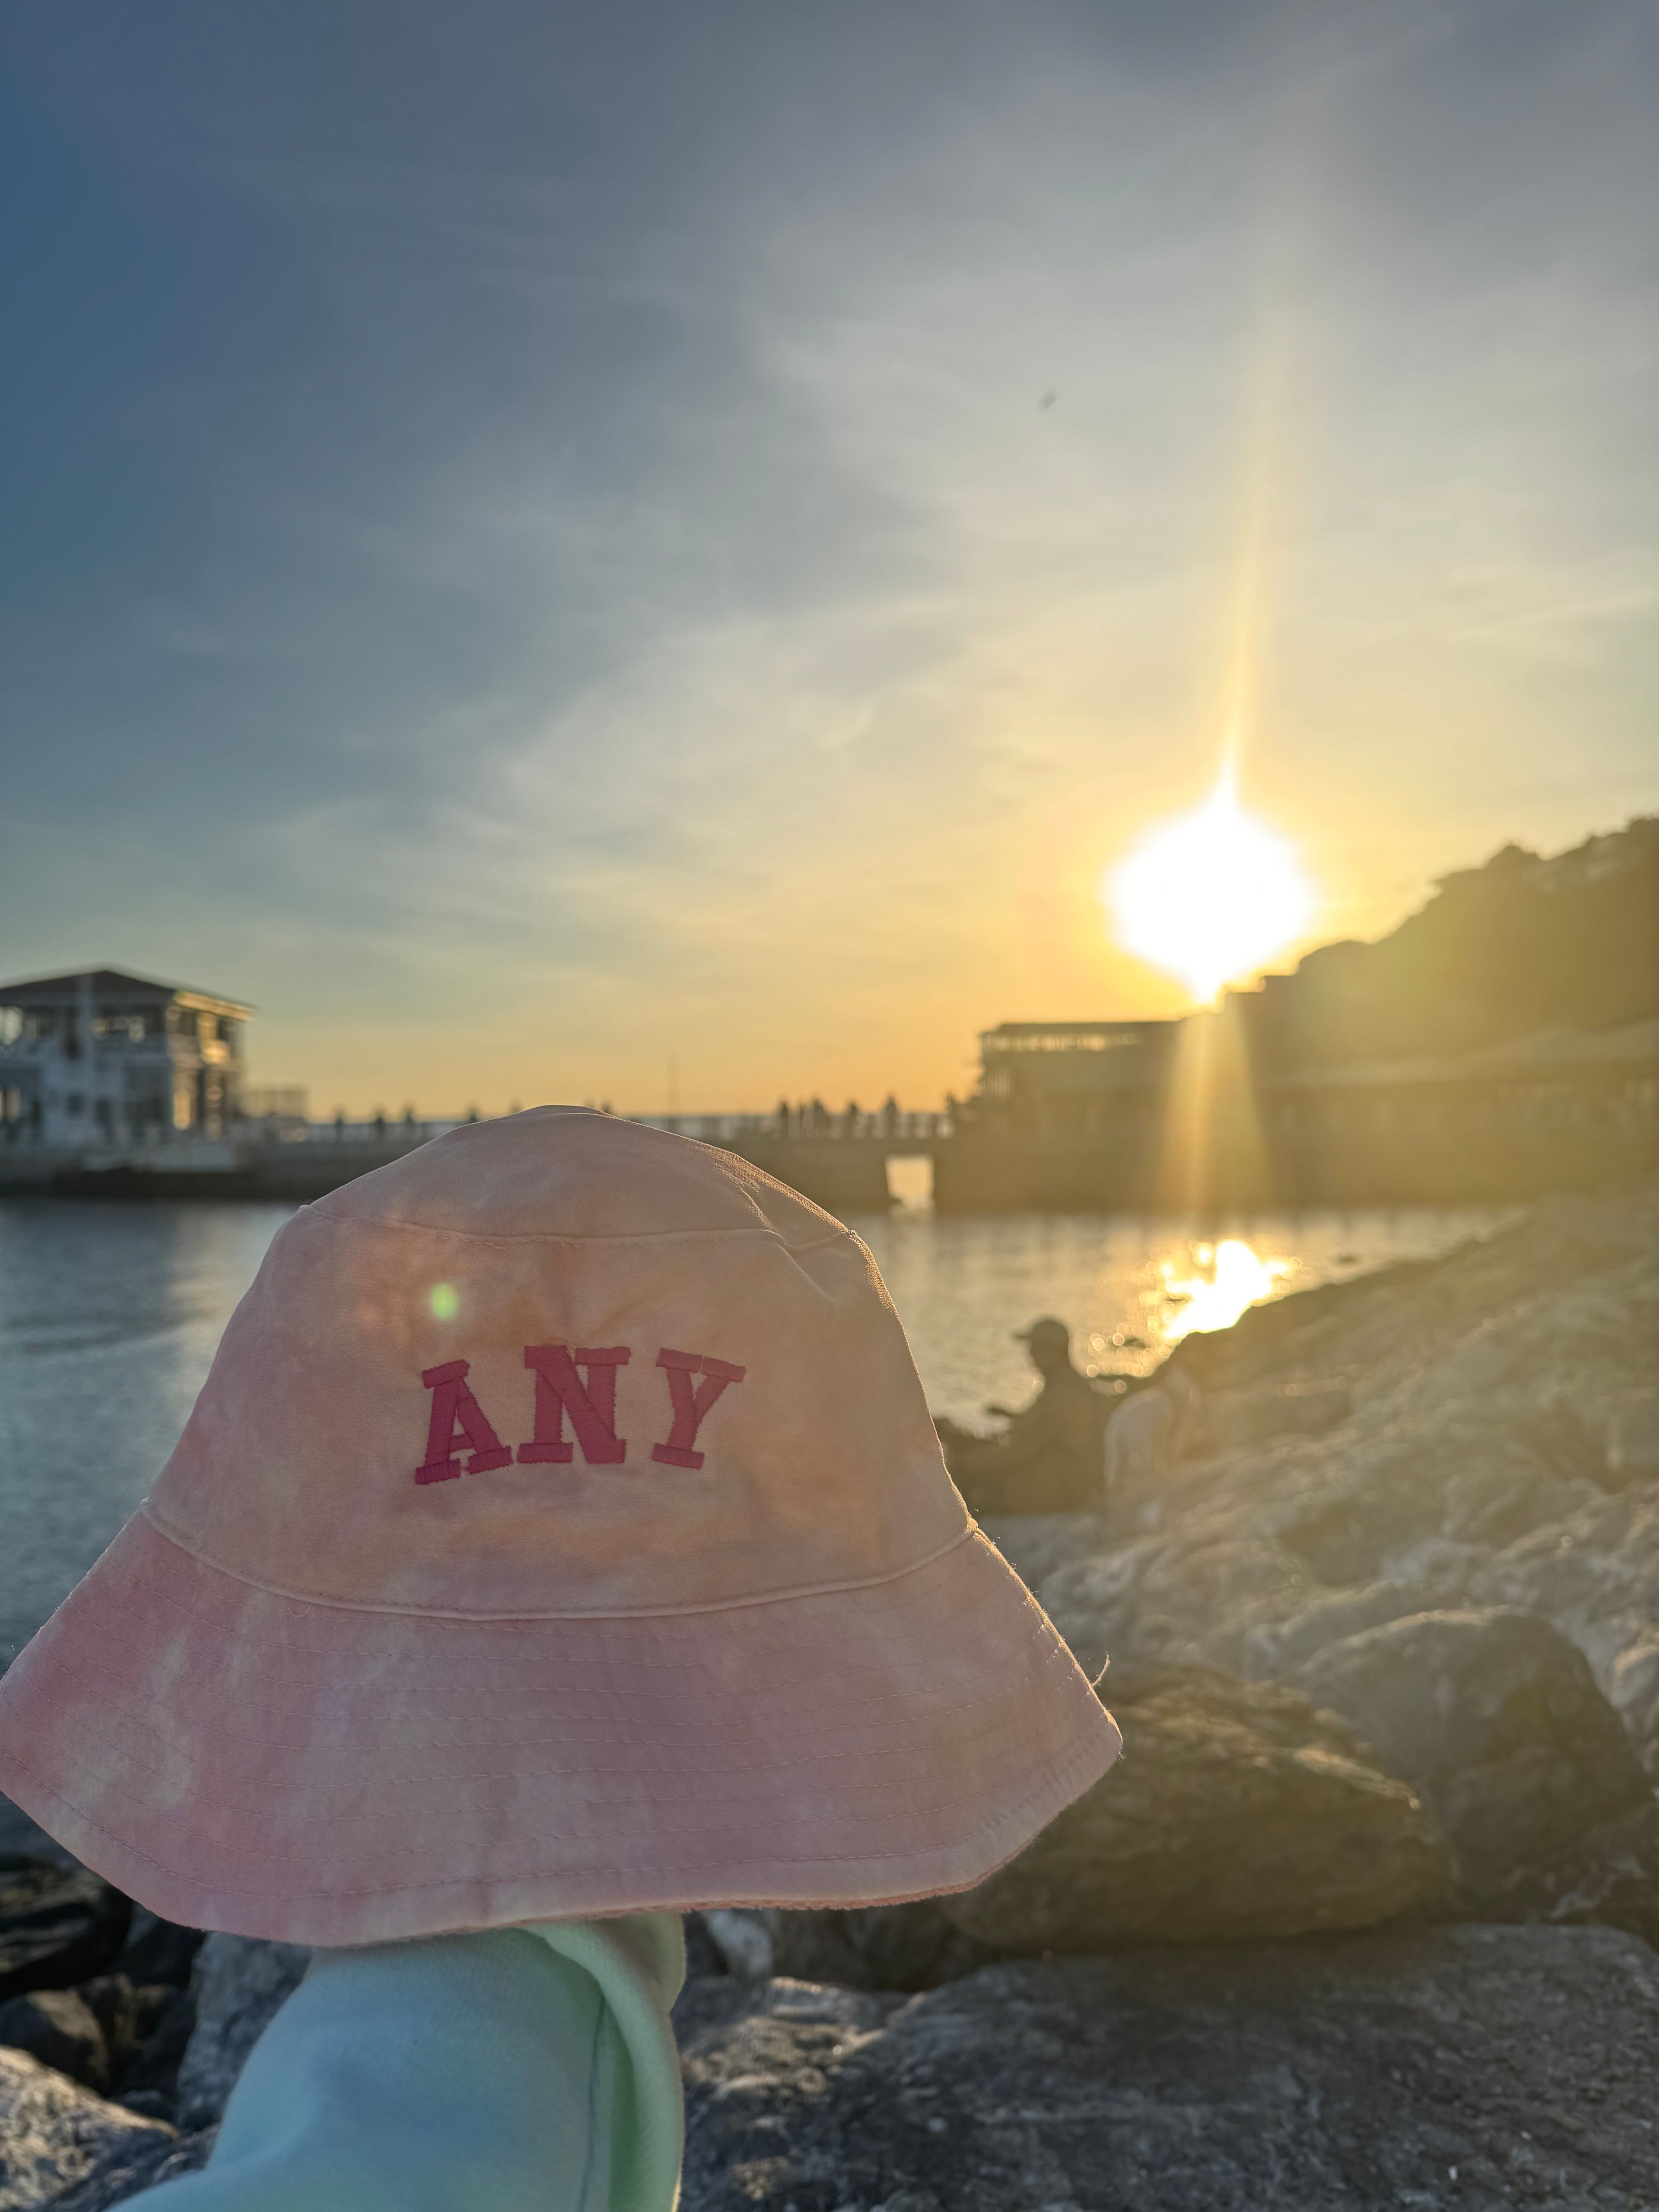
(112, 1024)
(11, 1024)
(184, 1107)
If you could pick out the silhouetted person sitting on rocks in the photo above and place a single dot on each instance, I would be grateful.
(1048, 1459)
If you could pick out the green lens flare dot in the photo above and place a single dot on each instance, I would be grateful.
(445, 1301)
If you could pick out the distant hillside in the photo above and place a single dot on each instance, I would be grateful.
(1520, 944)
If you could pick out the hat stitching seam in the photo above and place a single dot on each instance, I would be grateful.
(358, 1651)
(513, 1626)
(628, 1627)
(615, 1612)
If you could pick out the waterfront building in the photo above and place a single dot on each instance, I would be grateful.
(1193, 1114)
(1560, 1086)
(1043, 1078)
(103, 1058)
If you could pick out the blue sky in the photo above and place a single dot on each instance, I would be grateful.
(543, 541)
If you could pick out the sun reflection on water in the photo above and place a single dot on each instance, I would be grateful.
(1230, 1276)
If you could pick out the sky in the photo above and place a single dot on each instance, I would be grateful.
(655, 554)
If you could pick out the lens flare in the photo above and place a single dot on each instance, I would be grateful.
(1210, 896)
(445, 1301)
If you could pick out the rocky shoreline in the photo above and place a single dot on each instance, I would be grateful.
(1366, 1915)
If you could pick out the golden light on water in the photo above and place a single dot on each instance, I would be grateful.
(1234, 1277)
(1210, 896)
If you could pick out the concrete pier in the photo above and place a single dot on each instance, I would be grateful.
(1151, 1167)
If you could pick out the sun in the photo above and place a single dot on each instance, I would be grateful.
(1210, 896)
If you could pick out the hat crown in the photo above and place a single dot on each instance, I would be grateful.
(561, 1364)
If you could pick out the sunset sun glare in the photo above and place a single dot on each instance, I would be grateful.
(1210, 896)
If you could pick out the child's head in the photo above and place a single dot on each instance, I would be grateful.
(561, 1530)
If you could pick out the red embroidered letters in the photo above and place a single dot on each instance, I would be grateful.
(578, 1383)
(457, 1417)
(592, 1407)
(690, 1405)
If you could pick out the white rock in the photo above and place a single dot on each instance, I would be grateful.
(54, 2133)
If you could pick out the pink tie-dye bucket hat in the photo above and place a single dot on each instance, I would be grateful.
(561, 1530)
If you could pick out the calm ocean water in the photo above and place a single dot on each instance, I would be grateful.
(109, 1316)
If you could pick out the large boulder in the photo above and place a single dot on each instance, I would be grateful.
(1207, 1580)
(89, 2033)
(1496, 1395)
(1633, 1689)
(1236, 1814)
(1484, 2066)
(134, 2167)
(239, 1985)
(1496, 1719)
(60, 2028)
(1384, 1330)
(59, 1924)
(1191, 1595)
(1253, 1415)
(1270, 1649)
(1092, 1601)
(1395, 1478)
(1630, 1431)
(1035, 1544)
(55, 2134)
(1595, 1575)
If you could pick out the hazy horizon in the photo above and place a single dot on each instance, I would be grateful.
(545, 545)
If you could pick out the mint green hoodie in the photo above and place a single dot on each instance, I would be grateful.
(521, 2070)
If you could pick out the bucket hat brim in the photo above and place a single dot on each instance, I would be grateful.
(242, 1758)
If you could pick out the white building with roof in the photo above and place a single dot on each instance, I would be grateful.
(103, 1058)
